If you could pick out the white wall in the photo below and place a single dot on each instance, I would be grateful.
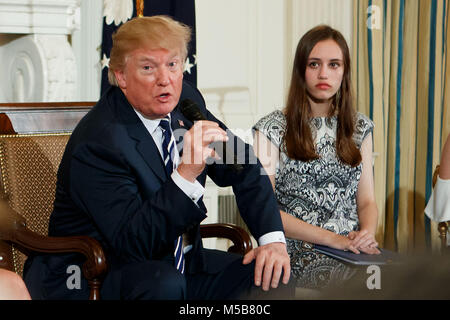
(86, 43)
(306, 14)
(240, 53)
(245, 52)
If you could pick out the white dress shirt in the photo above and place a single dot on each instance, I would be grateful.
(193, 190)
(438, 206)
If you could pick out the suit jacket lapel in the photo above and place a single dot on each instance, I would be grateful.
(148, 149)
(144, 141)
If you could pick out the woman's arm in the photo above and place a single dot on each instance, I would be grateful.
(365, 198)
(444, 170)
(298, 229)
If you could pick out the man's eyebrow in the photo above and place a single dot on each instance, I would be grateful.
(146, 59)
(151, 59)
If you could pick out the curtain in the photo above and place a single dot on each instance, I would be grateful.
(400, 73)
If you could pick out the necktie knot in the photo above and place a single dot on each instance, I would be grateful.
(165, 124)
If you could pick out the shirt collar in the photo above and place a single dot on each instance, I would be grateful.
(150, 124)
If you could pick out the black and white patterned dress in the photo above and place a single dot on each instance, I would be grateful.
(321, 192)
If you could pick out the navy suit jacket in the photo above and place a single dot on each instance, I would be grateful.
(112, 186)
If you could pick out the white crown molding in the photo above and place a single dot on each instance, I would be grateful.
(39, 16)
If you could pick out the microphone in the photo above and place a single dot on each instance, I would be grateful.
(192, 112)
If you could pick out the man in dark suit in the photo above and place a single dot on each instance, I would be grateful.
(123, 181)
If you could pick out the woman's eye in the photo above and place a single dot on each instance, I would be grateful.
(334, 65)
(313, 64)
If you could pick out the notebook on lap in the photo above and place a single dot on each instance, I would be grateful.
(385, 257)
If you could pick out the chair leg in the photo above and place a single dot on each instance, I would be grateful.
(443, 228)
(94, 286)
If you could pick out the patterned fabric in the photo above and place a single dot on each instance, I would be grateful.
(321, 192)
(29, 164)
(167, 144)
(167, 148)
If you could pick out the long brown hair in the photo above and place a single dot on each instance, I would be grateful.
(298, 136)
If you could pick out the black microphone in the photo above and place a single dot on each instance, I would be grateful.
(192, 112)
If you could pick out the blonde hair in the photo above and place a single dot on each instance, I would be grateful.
(153, 32)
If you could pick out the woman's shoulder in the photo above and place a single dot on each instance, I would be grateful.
(363, 127)
(273, 126)
(274, 116)
(363, 121)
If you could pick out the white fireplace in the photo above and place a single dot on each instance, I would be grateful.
(38, 61)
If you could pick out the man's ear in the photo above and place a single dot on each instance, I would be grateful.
(121, 78)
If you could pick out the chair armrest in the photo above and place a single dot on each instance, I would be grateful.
(240, 238)
(13, 229)
(95, 265)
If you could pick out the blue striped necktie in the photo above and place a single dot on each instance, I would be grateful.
(168, 145)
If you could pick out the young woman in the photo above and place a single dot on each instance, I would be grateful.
(318, 155)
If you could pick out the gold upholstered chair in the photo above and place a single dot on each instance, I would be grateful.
(29, 164)
(442, 226)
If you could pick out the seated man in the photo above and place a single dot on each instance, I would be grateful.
(123, 181)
